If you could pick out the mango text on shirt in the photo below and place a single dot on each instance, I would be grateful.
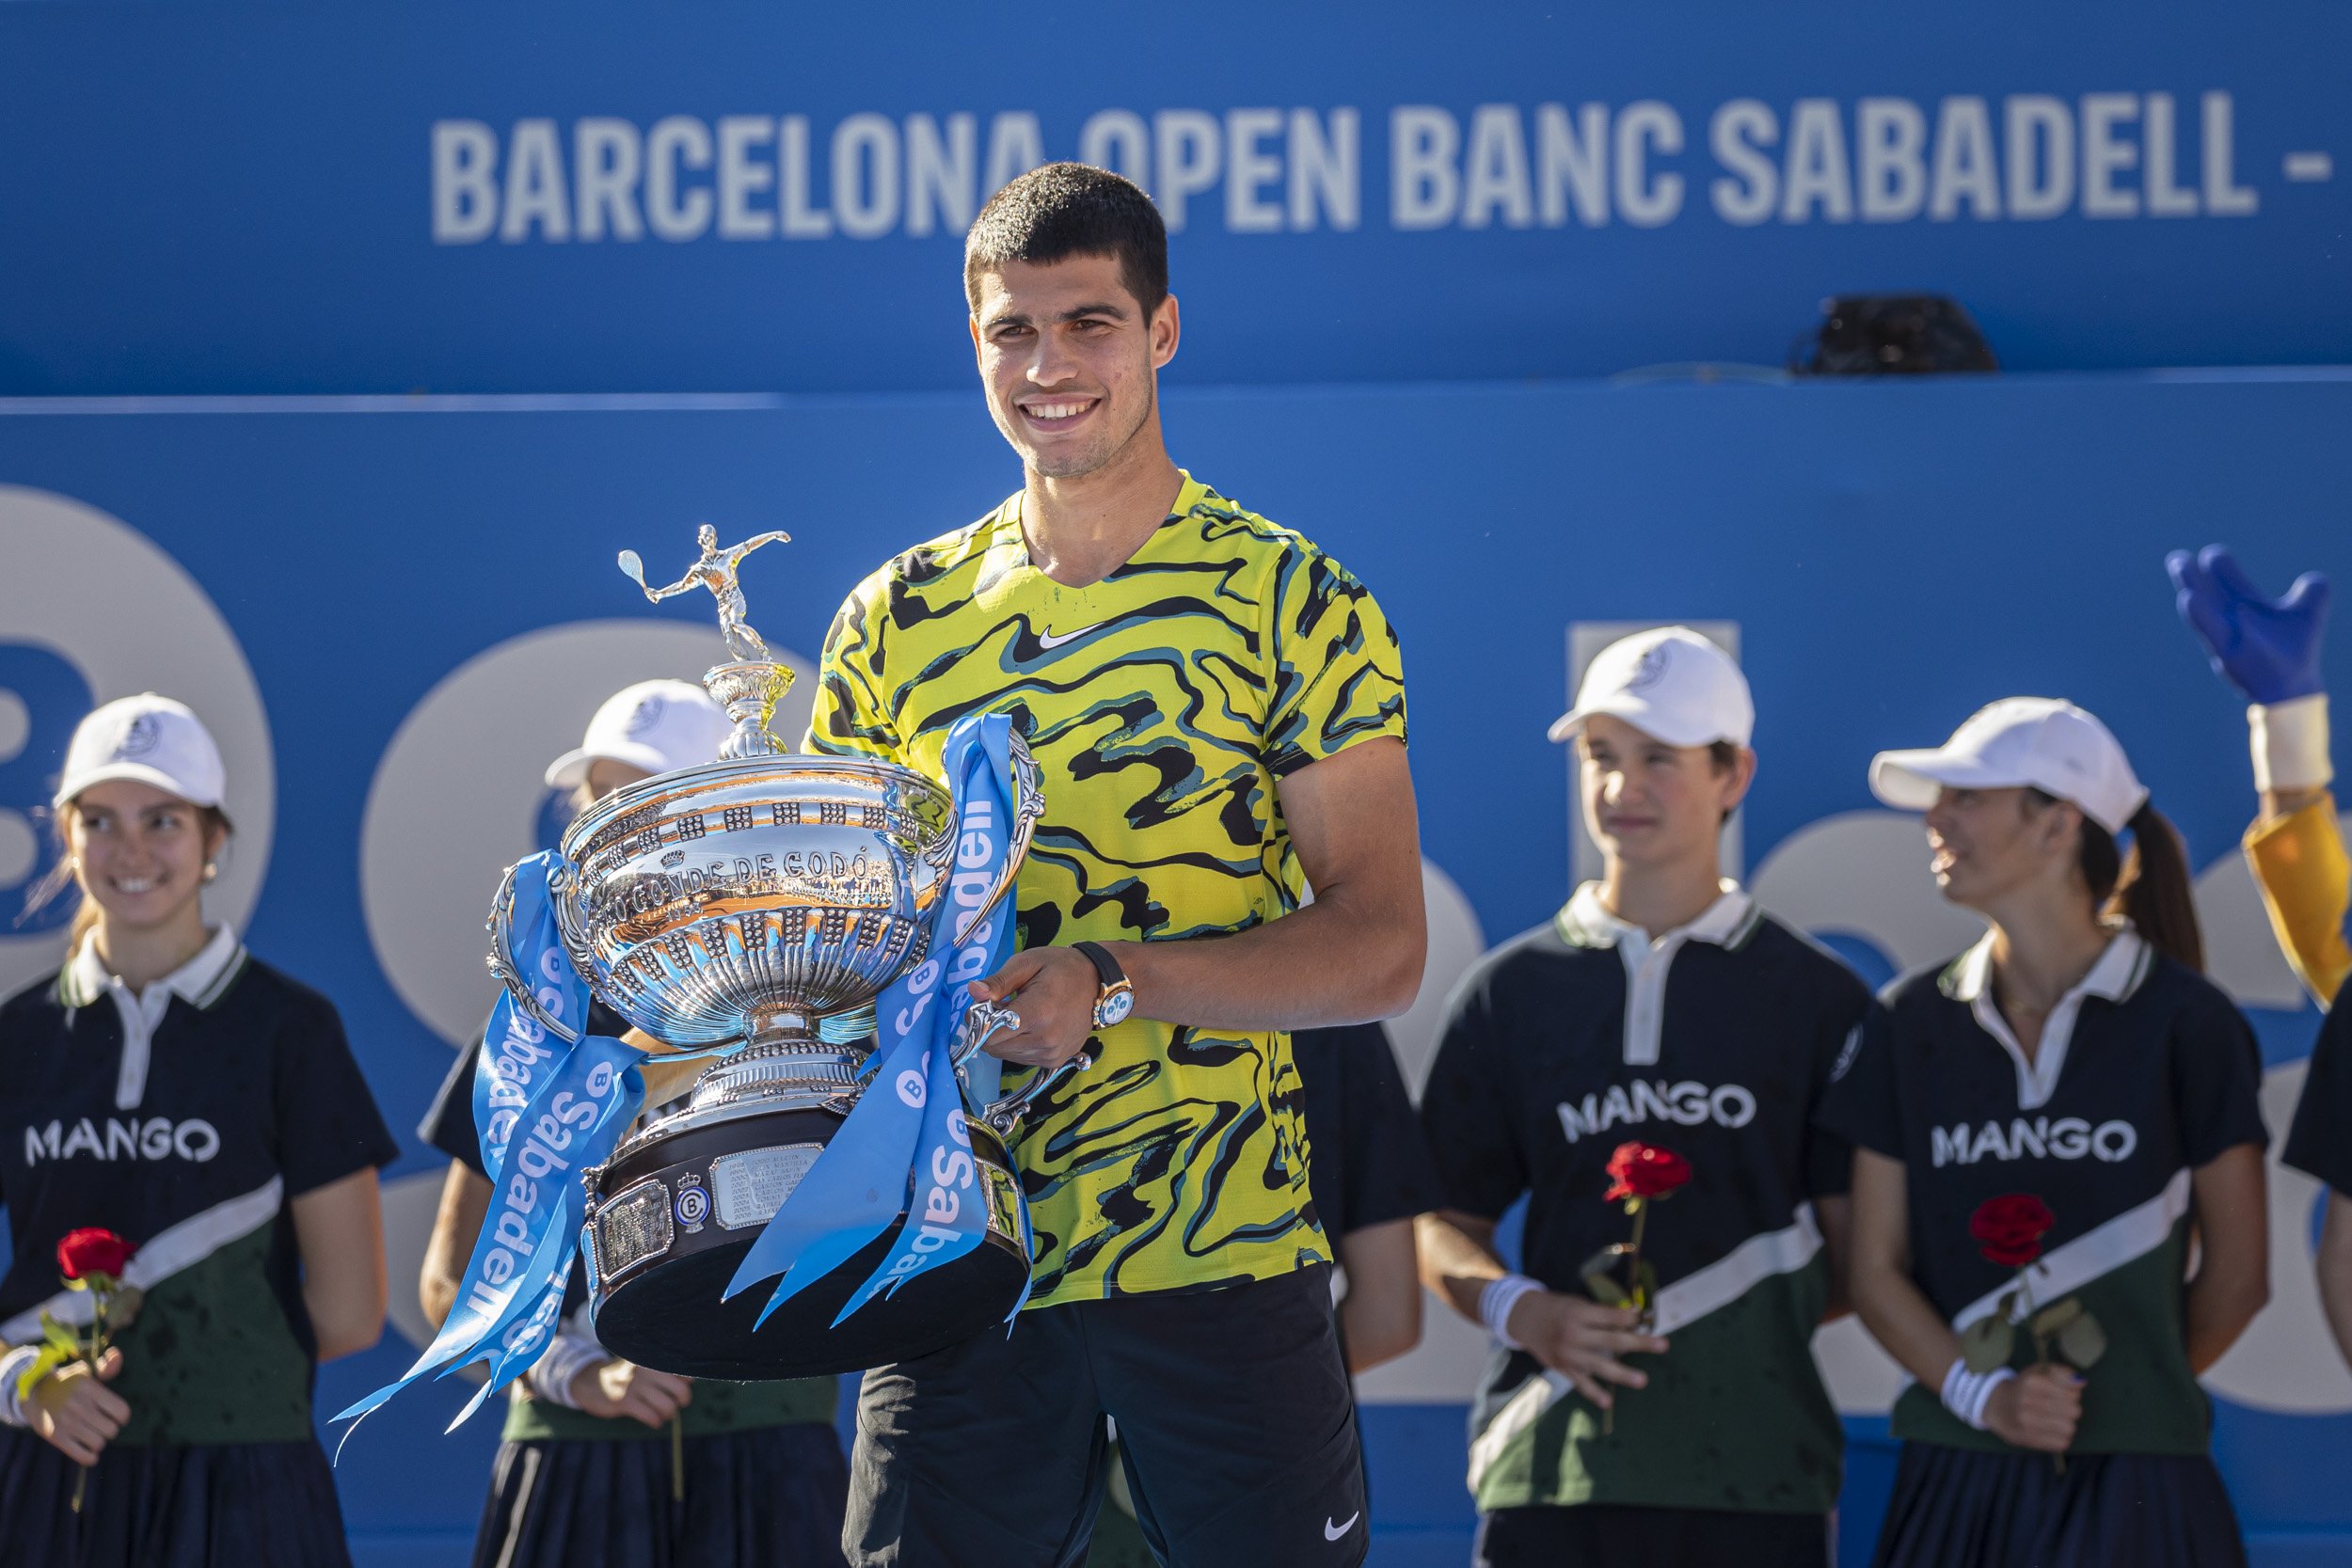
(2067, 1139)
(1728, 1105)
(155, 1138)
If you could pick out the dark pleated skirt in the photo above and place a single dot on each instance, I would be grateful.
(768, 1497)
(1958, 1508)
(1599, 1534)
(229, 1505)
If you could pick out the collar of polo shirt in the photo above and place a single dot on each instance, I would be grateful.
(199, 982)
(1585, 921)
(2119, 973)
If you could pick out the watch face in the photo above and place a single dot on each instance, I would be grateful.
(1113, 1008)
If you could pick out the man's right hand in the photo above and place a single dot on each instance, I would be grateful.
(623, 1388)
(1582, 1340)
(2039, 1408)
(75, 1412)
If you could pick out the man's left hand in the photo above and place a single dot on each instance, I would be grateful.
(1054, 990)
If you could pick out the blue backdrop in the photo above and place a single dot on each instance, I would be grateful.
(1408, 242)
(227, 198)
(1892, 555)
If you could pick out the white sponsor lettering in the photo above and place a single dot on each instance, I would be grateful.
(1688, 1103)
(1265, 169)
(153, 1138)
(2042, 1138)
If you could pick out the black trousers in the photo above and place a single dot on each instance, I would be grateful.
(1235, 1420)
(1596, 1533)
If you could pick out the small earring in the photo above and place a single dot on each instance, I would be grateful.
(211, 870)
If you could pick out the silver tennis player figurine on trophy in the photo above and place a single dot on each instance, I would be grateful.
(715, 570)
(761, 901)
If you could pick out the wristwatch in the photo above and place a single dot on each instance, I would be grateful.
(1117, 998)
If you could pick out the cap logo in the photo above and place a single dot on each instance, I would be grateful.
(646, 715)
(1649, 670)
(141, 738)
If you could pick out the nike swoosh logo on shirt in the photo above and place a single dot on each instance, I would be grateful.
(1332, 1532)
(1047, 639)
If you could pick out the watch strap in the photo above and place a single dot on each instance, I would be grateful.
(1106, 967)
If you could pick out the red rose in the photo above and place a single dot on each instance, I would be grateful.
(1640, 1170)
(92, 1251)
(2010, 1229)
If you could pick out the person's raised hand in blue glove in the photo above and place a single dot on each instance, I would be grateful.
(2267, 648)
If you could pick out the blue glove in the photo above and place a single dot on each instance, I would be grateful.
(2267, 648)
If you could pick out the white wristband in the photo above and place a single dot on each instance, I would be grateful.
(1966, 1393)
(550, 1377)
(11, 1367)
(2290, 743)
(1495, 1301)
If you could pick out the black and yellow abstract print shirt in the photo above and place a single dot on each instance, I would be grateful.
(1162, 703)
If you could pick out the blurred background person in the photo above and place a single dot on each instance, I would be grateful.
(1660, 1005)
(2073, 1095)
(604, 1464)
(2269, 651)
(170, 1088)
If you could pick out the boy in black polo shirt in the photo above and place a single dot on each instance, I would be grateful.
(1663, 1006)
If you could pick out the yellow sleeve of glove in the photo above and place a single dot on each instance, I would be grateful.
(2299, 865)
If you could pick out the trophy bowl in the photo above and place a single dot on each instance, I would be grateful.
(743, 899)
(765, 899)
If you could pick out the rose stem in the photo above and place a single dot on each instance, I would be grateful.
(2041, 1345)
(1641, 1218)
(97, 1354)
(1640, 1301)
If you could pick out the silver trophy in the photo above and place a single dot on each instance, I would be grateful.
(759, 902)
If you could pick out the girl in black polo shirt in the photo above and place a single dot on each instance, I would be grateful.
(168, 1086)
(2074, 1056)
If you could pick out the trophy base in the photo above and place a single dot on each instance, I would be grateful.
(683, 1210)
(672, 1319)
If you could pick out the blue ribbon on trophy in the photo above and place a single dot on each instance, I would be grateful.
(905, 1148)
(545, 1109)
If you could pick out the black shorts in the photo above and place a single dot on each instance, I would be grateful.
(1651, 1537)
(1236, 1426)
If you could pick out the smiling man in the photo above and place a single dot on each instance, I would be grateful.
(1218, 710)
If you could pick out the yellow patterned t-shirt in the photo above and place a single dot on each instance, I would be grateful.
(1161, 704)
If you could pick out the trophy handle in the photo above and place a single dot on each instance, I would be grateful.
(502, 965)
(1005, 1115)
(1029, 804)
(982, 1022)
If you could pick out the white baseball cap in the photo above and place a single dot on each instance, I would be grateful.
(2045, 742)
(147, 738)
(1669, 683)
(656, 725)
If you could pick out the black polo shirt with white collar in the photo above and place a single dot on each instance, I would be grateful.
(1714, 1042)
(2144, 1072)
(190, 1139)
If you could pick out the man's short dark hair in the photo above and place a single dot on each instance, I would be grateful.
(1057, 211)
